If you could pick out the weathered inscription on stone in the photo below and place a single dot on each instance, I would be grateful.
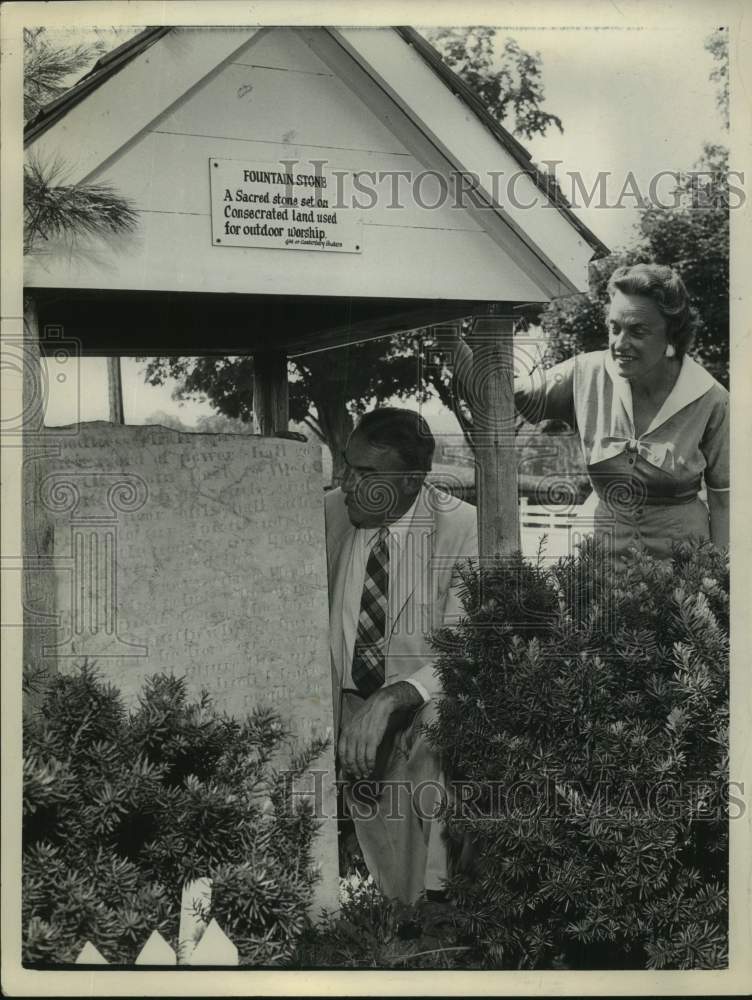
(200, 555)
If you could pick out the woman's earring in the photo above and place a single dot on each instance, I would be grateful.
(670, 350)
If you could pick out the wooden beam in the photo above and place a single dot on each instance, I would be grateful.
(424, 314)
(115, 391)
(491, 398)
(132, 323)
(270, 392)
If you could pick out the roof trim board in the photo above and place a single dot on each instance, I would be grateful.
(504, 137)
(182, 60)
(497, 226)
(103, 68)
(448, 124)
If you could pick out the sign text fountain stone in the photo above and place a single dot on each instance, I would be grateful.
(200, 555)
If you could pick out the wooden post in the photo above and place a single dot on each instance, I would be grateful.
(115, 390)
(270, 392)
(38, 582)
(491, 398)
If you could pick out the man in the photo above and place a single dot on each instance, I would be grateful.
(393, 546)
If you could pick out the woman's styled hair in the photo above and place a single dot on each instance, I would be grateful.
(404, 430)
(664, 286)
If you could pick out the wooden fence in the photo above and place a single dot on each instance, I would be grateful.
(199, 943)
(563, 527)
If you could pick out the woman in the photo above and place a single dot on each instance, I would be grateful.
(652, 422)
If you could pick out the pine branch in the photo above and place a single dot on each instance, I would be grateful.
(47, 68)
(54, 209)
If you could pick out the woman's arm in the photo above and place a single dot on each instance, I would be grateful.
(715, 448)
(544, 395)
(547, 394)
(718, 504)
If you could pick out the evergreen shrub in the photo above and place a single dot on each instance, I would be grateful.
(585, 723)
(122, 809)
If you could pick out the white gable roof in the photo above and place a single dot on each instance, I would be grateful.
(150, 117)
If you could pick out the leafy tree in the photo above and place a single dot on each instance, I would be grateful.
(717, 45)
(328, 389)
(505, 77)
(694, 239)
(575, 323)
(693, 234)
(163, 419)
(53, 208)
(688, 231)
(218, 423)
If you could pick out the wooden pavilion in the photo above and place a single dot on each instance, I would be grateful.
(200, 128)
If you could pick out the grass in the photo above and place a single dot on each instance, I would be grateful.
(371, 932)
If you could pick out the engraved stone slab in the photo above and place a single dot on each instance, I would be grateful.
(201, 555)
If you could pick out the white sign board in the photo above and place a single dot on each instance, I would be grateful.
(281, 206)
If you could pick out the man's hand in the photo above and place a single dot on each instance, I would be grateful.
(388, 709)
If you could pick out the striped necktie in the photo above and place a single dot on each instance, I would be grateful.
(370, 640)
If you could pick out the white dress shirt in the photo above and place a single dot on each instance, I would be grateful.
(363, 543)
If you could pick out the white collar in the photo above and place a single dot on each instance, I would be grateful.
(693, 382)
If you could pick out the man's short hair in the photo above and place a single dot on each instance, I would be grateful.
(404, 430)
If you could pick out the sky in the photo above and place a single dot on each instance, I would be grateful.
(631, 100)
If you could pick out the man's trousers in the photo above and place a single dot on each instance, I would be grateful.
(403, 847)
